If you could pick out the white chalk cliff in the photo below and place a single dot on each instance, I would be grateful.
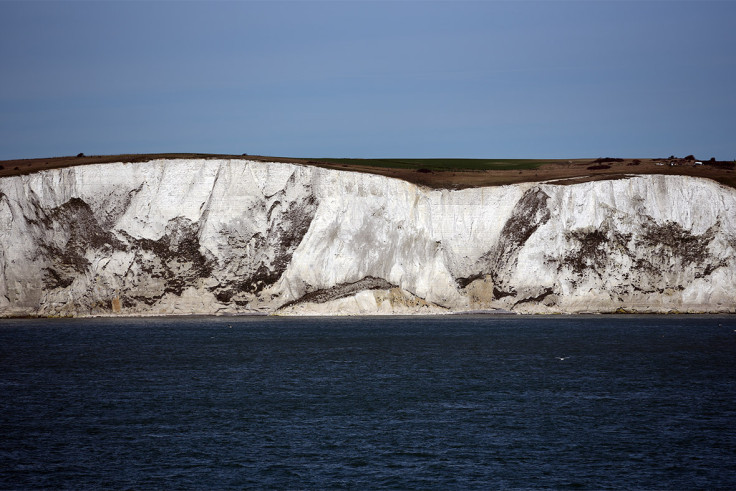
(235, 236)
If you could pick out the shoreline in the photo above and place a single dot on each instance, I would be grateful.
(475, 313)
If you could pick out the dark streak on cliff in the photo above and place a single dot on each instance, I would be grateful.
(177, 258)
(530, 213)
(342, 290)
(256, 270)
(76, 223)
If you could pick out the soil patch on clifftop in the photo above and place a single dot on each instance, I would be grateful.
(469, 173)
(437, 173)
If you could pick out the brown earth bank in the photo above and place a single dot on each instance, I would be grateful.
(565, 171)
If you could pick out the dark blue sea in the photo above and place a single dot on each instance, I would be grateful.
(599, 402)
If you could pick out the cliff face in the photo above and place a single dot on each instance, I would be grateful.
(187, 236)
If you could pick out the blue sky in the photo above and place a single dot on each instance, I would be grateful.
(479, 79)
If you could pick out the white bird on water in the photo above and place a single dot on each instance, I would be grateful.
(562, 358)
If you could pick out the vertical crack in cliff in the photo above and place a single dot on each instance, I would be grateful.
(205, 207)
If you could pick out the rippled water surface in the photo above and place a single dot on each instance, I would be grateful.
(481, 402)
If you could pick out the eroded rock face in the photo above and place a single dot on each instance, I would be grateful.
(188, 236)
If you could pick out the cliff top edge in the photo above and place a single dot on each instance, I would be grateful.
(438, 173)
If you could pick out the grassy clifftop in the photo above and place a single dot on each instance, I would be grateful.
(436, 173)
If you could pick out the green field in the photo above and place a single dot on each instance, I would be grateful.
(444, 164)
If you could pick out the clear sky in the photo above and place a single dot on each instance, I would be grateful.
(478, 79)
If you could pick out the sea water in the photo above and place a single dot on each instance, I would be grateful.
(312, 403)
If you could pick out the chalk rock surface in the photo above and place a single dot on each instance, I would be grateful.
(235, 236)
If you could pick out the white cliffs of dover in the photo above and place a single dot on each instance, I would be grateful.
(238, 237)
